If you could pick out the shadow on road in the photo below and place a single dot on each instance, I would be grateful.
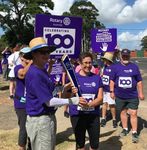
(111, 143)
(141, 124)
(64, 136)
(4, 88)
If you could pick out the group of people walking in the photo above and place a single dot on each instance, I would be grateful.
(117, 86)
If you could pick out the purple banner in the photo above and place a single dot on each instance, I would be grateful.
(62, 31)
(103, 40)
(70, 72)
(1, 70)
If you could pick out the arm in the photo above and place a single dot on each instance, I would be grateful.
(112, 89)
(63, 78)
(4, 50)
(62, 101)
(98, 100)
(22, 72)
(49, 69)
(140, 90)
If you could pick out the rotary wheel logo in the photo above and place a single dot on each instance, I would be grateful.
(93, 84)
(66, 21)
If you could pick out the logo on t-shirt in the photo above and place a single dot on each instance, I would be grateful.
(105, 80)
(108, 70)
(125, 82)
(128, 71)
(92, 84)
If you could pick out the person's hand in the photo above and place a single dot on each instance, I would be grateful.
(74, 90)
(29, 61)
(141, 96)
(67, 86)
(65, 93)
(51, 62)
(104, 48)
(83, 102)
(112, 95)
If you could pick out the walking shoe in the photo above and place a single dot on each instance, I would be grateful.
(123, 133)
(103, 122)
(11, 97)
(135, 137)
(114, 124)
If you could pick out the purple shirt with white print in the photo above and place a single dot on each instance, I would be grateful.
(126, 78)
(106, 78)
(39, 90)
(89, 86)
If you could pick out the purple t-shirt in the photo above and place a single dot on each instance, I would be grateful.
(19, 98)
(126, 78)
(106, 78)
(5, 56)
(1, 70)
(89, 86)
(39, 90)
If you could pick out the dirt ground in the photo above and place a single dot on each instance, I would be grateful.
(109, 138)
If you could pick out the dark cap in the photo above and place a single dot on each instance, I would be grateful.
(125, 52)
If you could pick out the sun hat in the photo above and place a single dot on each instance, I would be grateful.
(108, 56)
(125, 52)
(38, 43)
(25, 50)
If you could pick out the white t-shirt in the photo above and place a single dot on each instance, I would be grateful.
(13, 60)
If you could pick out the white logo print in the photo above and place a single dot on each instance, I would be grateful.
(104, 48)
(131, 70)
(66, 21)
(125, 82)
(105, 80)
(93, 84)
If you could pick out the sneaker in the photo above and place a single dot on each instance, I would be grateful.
(11, 97)
(103, 122)
(135, 138)
(114, 124)
(123, 133)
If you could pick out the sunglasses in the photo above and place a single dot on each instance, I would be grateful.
(44, 52)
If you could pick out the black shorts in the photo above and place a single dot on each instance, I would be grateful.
(126, 103)
(89, 122)
(12, 78)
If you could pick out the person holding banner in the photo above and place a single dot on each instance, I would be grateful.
(87, 117)
(40, 103)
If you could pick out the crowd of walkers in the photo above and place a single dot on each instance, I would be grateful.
(115, 85)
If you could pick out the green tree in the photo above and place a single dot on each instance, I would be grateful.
(89, 13)
(16, 18)
(144, 42)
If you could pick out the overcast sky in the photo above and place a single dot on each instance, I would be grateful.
(128, 16)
